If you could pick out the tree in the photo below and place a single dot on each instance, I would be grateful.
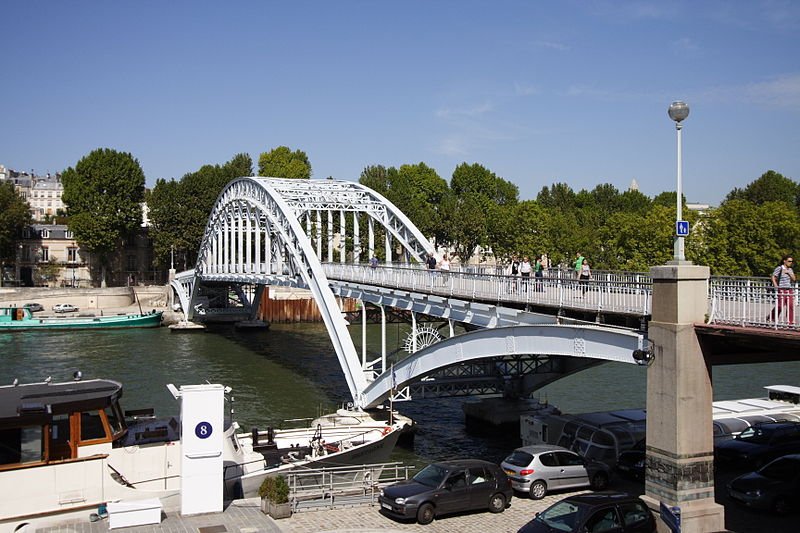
(103, 194)
(281, 162)
(770, 187)
(179, 211)
(558, 196)
(14, 217)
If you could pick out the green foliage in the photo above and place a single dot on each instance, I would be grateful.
(179, 211)
(274, 489)
(103, 194)
(47, 272)
(281, 162)
(14, 217)
(770, 187)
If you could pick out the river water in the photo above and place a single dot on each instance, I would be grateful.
(291, 371)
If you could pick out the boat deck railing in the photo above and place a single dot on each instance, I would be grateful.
(328, 488)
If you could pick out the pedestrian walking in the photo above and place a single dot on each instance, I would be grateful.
(373, 262)
(525, 270)
(444, 266)
(585, 276)
(431, 262)
(783, 280)
(537, 272)
(579, 259)
(514, 273)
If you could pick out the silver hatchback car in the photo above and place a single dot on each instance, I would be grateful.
(541, 468)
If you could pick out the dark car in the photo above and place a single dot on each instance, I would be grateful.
(630, 463)
(773, 487)
(448, 487)
(615, 512)
(758, 445)
(34, 307)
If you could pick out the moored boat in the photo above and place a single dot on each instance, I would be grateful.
(68, 448)
(22, 319)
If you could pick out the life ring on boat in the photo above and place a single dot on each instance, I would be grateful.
(387, 430)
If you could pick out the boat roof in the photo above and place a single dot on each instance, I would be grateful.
(36, 403)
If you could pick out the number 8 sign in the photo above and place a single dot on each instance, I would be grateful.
(203, 430)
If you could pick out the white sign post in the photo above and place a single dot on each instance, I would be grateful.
(202, 419)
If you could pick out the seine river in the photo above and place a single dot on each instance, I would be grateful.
(290, 371)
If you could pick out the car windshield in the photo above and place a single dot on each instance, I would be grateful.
(782, 469)
(519, 458)
(562, 516)
(431, 476)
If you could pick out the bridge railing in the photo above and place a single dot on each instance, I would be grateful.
(752, 302)
(619, 292)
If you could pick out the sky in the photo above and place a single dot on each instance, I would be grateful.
(538, 92)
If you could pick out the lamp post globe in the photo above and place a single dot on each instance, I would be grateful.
(678, 111)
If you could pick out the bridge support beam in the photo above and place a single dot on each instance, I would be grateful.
(680, 457)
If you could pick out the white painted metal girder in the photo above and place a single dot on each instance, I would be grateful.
(595, 342)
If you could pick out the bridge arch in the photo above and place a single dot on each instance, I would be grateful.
(577, 341)
(270, 231)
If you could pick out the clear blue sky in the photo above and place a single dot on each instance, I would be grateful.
(538, 92)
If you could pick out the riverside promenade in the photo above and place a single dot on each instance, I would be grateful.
(245, 516)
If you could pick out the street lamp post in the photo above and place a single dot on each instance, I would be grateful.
(678, 111)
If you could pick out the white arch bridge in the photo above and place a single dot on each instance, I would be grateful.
(270, 231)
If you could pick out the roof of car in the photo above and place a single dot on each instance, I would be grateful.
(599, 498)
(541, 448)
(464, 463)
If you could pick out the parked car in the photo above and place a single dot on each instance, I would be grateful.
(447, 487)
(64, 308)
(630, 463)
(34, 307)
(758, 445)
(540, 468)
(773, 487)
(615, 512)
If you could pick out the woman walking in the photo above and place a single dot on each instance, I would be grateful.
(783, 279)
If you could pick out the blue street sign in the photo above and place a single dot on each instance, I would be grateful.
(681, 228)
(672, 517)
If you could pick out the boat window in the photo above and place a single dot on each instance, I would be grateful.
(92, 426)
(115, 419)
(21, 445)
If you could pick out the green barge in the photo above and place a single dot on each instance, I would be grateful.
(22, 319)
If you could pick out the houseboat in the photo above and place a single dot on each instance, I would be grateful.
(68, 448)
(603, 435)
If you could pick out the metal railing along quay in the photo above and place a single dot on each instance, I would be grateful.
(738, 301)
(341, 486)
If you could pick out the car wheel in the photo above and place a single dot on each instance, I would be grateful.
(425, 514)
(497, 503)
(600, 481)
(780, 506)
(538, 489)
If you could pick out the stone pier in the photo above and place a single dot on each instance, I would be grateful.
(680, 446)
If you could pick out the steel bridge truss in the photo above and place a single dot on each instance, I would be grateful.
(264, 231)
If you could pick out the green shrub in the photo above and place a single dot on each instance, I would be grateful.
(275, 489)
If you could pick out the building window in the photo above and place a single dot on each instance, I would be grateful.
(131, 262)
(26, 233)
(72, 254)
(44, 234)
(45, 254)
(68, 234)
(26, 253)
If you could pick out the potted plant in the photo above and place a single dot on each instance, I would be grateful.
(274, 492)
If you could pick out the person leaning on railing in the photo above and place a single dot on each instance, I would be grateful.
(783, 279)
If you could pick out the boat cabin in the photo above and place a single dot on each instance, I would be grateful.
(41, 423)
(11, 314)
